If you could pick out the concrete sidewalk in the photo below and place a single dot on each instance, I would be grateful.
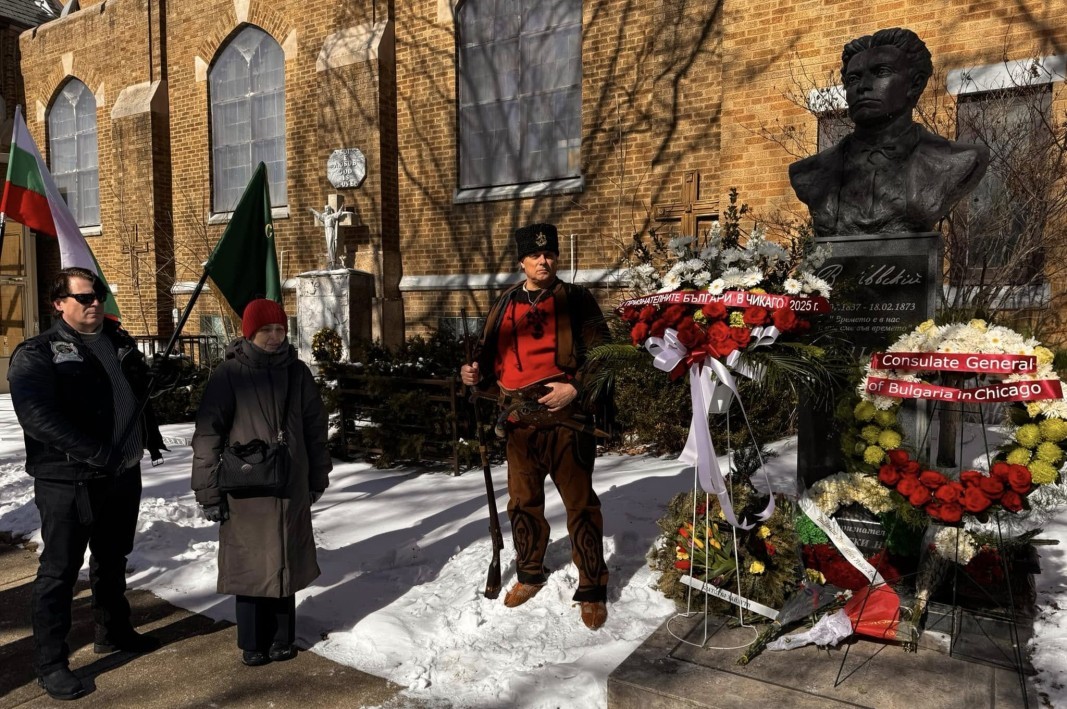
(199, 664)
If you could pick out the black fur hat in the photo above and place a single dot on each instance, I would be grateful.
(536, 237)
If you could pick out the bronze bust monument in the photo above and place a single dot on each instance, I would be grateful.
(890, 174)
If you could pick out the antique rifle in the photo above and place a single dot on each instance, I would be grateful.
(492, 581)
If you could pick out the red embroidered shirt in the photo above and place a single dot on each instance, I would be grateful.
(526, 344)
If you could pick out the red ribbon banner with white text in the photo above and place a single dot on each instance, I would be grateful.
(955, 362)
(733, 299)
(1027, 390)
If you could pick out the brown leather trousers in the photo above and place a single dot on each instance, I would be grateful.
(565, 455)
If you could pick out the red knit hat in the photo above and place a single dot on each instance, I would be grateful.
(260, 312)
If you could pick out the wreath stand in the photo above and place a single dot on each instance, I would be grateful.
(720, 405)
(984, 623)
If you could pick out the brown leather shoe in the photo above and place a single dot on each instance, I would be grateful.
(520, 593)
(594, 614)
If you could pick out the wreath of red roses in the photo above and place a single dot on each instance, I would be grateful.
(946, 500)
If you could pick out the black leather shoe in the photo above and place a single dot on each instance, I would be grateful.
(131, 641)
(254, 658)
(62, 684)
(280, 652)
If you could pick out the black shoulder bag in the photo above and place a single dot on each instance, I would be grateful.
(258, 468)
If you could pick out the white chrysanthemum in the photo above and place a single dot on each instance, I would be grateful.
(817, 257)
(814, 284)
(710, 253)
(717, 286)
(792, 286)
(700, 279)
(955, 544)
(751, 278)
(644, 278)
(671, 282)
(771, 251)
(680, 244)
(732, 256)
(733, 278)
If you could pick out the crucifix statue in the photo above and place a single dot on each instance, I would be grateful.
(331, 217)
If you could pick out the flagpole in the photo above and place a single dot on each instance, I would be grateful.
(3, 225)
(166, 354)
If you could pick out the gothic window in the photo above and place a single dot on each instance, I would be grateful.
(246, 87)
(72, 151)
(520, 91)
(1003, 220)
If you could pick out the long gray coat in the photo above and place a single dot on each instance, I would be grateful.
(266, 547)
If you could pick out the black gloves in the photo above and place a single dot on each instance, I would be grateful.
(166, 371)
(315, 496)
(216, 513)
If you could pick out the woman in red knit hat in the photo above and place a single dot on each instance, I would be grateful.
(266, 545)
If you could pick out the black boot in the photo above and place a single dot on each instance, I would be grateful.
(280, 651)
(62, 684)
(254, 658)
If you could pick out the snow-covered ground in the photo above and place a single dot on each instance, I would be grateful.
(404, 557)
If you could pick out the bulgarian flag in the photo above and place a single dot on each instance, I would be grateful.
(32, 198)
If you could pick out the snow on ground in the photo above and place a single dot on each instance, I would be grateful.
(404, 556)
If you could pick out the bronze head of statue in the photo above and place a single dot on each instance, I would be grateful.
(890, 174)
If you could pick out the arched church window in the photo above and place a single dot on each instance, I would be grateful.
(72, 151)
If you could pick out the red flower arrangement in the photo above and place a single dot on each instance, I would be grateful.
(826, 559)
(946, 500)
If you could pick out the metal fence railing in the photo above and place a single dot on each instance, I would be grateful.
(201, 350)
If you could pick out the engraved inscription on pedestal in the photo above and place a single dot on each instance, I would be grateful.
(346, 168)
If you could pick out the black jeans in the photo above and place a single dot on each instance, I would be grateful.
(100, 514)
(263, 621)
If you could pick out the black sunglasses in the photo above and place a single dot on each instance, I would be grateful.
(86, 298)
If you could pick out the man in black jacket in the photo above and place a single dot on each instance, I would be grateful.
(77, 389)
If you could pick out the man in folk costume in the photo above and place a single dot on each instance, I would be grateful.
(534, 348)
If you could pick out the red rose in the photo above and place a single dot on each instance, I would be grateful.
(714, 311)
(658, 328)
(1019, 479)
(756, 315)
(888, 475)
(898, 456)
(1000, 471)
(682, 564)
(908, 484)
(771, 549)
(919, 496)
(673, 315)
(648, 313)
(690, 334)
(992, 487)
(950, 492)
(974, 500)
(932, 479)
(971, 477)
(1011, 501)
(741, 336)
(910, 468)
(639, 334)
(784, 319)
(950, 512)
(718, 333)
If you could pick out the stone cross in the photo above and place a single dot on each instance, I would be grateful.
(134, 249)
(331, 217)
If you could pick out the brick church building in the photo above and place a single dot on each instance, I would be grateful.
(609, 118)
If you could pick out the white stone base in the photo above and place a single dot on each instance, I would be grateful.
(340, 299)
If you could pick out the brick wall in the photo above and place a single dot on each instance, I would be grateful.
(667, 87)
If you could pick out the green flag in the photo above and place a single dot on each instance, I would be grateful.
(244, 264)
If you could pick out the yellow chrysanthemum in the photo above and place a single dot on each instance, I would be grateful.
(926, 326)
(873, 455)
(1028, 435)
(1019, 456)
(864, 411)
(979, 325)
(763, 532)
(870, 433)
(1033, 408)
(1042, 473)
(1044, 355)
(885, 419)
(756, 567)
(737, 319)
(815, 576)
(889, 439)
(1054, 430)
(1049, 453)
(699, 317)
(756, 290)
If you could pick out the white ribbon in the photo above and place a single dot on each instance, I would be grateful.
(703, 381)
(730, 597)
(844, 545)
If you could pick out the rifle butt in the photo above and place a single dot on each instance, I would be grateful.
(492, 581)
